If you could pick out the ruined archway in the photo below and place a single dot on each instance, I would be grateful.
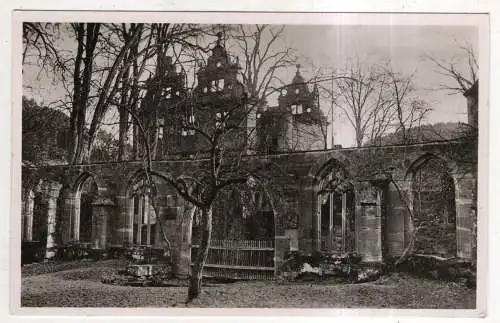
(86, 191)
(152, 211)
(243, 243)
(433, 206)
(40, 212)
(243, 213)
(40, 217)
(144, 215)
(334, 202)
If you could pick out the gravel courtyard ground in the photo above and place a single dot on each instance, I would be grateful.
(77, 284)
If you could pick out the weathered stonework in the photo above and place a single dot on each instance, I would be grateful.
(381, 213)
(342, 200)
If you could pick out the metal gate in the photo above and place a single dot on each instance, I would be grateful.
(239, 259)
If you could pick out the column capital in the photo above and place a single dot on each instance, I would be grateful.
(380, 179)
(103, 201)
(52, 188)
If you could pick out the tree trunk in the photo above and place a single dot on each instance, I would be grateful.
(135, 143)
(359, 139)
(86, 151)
(182, 259)
(409, 250)
(201, 257)
(124, 116)
(123, 135)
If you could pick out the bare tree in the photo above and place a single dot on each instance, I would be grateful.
(355, 98)
(40, 45)
(129, 84)
(136, 90)
(377, 100)
(264, 55)
(222, 161)
(92, 87)
(463, 79)
(109, 61)
(408, 110)
(221, 165)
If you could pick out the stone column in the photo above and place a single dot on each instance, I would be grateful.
(27, 216)
(397, 225)
(281, 240)
(344, 222)
(306, 218)
(317, 224)
(68, 216)
(102, 210)
(75, 223)
(331, 231)
(147, 219)
(125, 223)
(465, 203)
(281, 248)
(182, 247)
(369, 222)
(52, 196)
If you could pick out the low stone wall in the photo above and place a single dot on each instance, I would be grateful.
(435, 267)
(318, 266)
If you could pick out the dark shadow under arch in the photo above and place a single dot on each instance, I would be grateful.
(433, 206)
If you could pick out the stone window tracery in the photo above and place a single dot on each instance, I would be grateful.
(168, 93)
(296, 109)
(144, 215)
(221, 118)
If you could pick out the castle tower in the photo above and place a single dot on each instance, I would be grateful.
(297, 123)
(219, 100)
(165, 100)
(472, 105)
(216, 101)
(173, 108)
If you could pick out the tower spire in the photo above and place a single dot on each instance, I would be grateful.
(298, 69)
(219, 37)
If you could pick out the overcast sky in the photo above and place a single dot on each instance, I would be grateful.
(404, 46)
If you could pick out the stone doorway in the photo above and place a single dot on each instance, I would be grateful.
(88, 194)
(433, 204)
(337, 221)
(145, 228)
(39, 227)
(335, 207)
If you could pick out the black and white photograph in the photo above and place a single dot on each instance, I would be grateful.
(196, 163)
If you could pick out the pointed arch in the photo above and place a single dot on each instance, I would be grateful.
(432, 188)
(131, 184)
(333, 208)
(330, 173)
(79, 197)
(145, 225)
(81, 179)
(422, 160)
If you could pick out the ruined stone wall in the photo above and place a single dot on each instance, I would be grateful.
(382, 225)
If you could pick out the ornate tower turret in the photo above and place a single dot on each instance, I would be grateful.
(219, 99)
(297, 123)
(172, 109)
(164, 101)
